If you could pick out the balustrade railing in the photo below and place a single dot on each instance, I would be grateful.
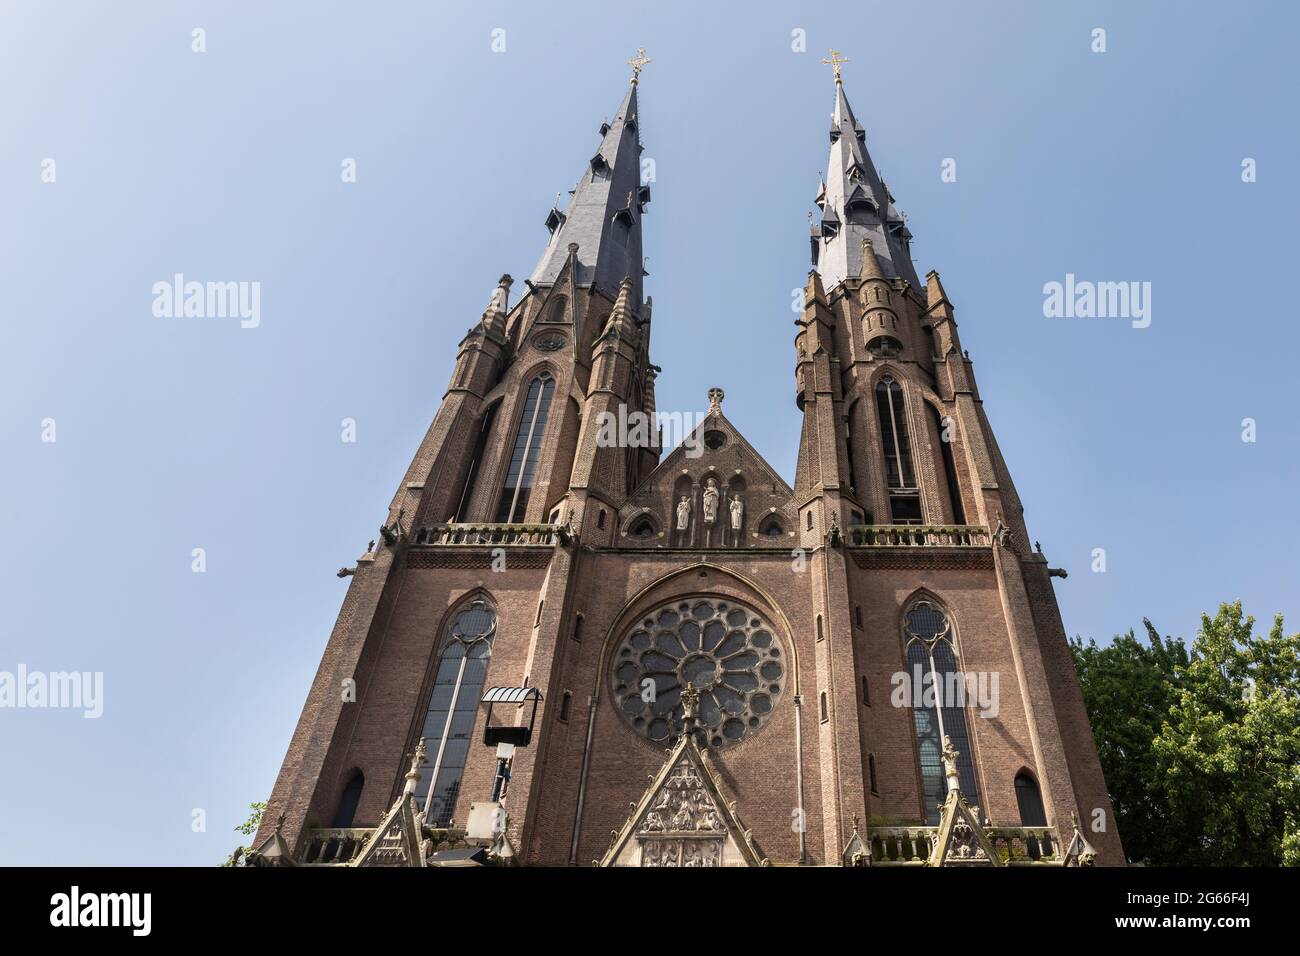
(1015, 846)
(900, 846)
(334, 846)
(918, 536)
(490, 535)
(1019, 845)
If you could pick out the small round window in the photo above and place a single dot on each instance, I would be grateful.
(725, 649)
(714, 439)
(550, 342)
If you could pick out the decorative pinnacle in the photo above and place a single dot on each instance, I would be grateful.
(638, 63)
(716, 395)
(835, 62)
(413, 775)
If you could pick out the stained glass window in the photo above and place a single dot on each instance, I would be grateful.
(449, 720)
(725, 649)
(513, 504)
(938, 701)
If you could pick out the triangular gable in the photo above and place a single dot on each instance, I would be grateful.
(396, 841)
(684, 819)
(856, 852)
(961, 840)
(671, 466)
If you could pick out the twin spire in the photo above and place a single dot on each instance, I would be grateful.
(856, 205)
(603, 217)
(604, 214)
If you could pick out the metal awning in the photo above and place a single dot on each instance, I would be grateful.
(511, 695)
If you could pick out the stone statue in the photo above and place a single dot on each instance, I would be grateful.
(737, 513)
(683, 513)
(711, 502)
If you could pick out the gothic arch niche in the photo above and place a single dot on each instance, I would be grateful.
(683, 487)
(736, 489)
(346, 811)
(771, 526)
(464, 502)
(930, 647)
(947, 461)
(555, 309)
(1029, 800)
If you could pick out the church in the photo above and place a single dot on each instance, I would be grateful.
(567, 649)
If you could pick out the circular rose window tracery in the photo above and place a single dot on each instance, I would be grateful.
(724, 648)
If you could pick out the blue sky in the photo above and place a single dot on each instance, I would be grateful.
(175, 434)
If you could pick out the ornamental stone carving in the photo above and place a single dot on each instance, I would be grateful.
(711, 496)
(683, 827)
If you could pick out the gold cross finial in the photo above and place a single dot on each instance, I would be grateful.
(638, 63)
(835, 62)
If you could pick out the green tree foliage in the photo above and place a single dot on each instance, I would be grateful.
(1230, 749)
(1201, 750)
(247, 828)
(1128, 688)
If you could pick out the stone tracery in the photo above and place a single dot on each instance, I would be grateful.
(726, 649)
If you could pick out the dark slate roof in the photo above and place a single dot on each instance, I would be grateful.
(589, 218)
(840, 256)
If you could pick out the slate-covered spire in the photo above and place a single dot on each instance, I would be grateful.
(604, 215)
(856, 205)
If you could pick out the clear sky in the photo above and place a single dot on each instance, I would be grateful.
(176, 434)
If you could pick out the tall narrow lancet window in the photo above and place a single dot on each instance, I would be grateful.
(528, 442)
(938, 704)
(476, 462)
(945, 429)
(449, 721)
(1030, 801)
(347, 809)
(904, 496)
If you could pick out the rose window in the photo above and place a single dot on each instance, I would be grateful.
(725, 649)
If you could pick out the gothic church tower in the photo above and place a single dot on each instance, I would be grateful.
(692, 620)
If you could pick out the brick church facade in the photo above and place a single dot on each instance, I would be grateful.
(749, 665)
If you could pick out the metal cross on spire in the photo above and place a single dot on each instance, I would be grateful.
(638, 63)
(835, 62)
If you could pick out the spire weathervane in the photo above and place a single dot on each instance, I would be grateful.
(638, 63)
(835, 62)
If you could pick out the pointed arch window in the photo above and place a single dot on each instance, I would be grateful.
(944, 428)
(453, 703)
(351, 799)
(513, 504)
(904, 497)
(939, 707)
(1029, 801)
(471, 475)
